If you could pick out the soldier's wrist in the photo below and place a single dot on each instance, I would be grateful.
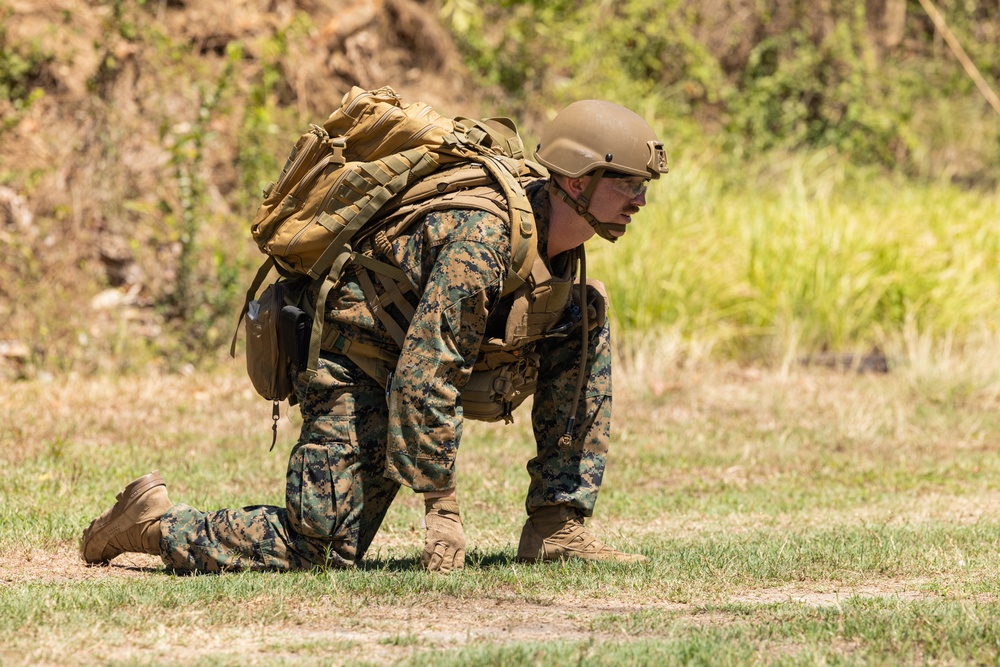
(447, 493)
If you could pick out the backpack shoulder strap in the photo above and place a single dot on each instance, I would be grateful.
(498, 134)
(474, 186)
(523, 239)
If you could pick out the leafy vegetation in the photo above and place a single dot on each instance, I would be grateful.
(833, 183)
(805, 255)
(22, 74)
(785, 75)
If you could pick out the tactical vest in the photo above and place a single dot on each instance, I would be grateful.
(506, 370)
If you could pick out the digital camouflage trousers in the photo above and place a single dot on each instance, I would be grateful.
(336, 492)
(571, 475)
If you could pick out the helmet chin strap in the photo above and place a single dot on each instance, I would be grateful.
(582, 207)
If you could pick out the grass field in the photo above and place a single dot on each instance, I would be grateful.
(797, 516)
(793, 514)
(794, 255)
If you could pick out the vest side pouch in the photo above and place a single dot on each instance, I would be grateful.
(539, 305)
(597, 302)
(492, 394)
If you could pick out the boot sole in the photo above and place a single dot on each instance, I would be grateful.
(566, 557)
(103, 528)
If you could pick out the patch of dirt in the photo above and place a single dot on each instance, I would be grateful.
(825, 595)
(386, 634)
(38, 566)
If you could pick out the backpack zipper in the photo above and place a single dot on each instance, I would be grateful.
(416, 135)
(308, 178)
(355, 102)
(372, 130)
(423, 112)
(299, 158)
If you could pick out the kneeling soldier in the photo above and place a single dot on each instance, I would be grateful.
(387, 410)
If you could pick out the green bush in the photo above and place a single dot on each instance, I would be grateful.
(787, 75)
(23, 74)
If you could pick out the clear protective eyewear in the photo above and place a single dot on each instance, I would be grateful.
(630, 186)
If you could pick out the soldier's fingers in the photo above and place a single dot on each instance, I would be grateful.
(447, 560)
(437, 558)
(427, 557)
(451, 561)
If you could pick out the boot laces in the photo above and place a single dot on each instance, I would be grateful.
(574, 535)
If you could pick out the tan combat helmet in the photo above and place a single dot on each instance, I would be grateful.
(598, 137)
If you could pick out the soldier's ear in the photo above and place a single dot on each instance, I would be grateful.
(576, 186)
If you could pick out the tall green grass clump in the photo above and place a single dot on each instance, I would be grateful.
(805, 256)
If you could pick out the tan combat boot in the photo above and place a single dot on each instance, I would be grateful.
(133, 524)
(557, 533)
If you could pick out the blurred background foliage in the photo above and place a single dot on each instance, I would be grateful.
(870, 78)
(834, 180)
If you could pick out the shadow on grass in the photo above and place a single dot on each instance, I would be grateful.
(475, 559)
(122, 567)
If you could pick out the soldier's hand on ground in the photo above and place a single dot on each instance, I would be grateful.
(444, 548)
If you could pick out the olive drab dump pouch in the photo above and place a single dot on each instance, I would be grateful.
(271, 348)
(267, 366)
(374, 167)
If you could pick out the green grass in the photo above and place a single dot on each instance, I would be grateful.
(791, 517)
(804, 254)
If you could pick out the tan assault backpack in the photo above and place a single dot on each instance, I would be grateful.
(373, 158)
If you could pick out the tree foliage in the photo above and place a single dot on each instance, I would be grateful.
(870, 78)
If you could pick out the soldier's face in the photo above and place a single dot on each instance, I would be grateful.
(616, 200)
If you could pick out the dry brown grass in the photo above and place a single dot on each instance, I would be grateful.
(689, 438)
